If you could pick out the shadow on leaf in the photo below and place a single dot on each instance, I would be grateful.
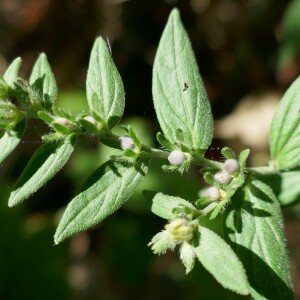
(38, 85)
(260, 194)
(273, 181)
(256, 212)
(239, 206)
(263, 280)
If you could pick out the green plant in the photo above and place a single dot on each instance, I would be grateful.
(251, 256)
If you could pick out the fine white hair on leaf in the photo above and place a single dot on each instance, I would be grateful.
(108, 44)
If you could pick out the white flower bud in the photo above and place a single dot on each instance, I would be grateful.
(176, 157)
(126, 142)
(231, 166)
(213, 193)
(91, 120)
(62, 121)
(223, 177)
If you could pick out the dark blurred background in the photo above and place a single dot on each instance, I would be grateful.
(248, 54)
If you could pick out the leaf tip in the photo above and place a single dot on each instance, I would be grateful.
(100, 42)
(58, 238)
(13, 199)
(16, 198)
(175, 13)
(18, 61)
(12, 202)
(42, 56)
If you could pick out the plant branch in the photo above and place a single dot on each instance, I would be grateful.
(264, 170)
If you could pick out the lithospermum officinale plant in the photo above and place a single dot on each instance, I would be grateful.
(251, 256)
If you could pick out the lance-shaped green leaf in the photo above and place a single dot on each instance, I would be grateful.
(285, 129)
(104, 87)
(179, 96)
(285, 186)
(10, 140)
(105, 191)
(11, 74)
(42, 79)
(218, 258)
(255, 229)
(45, 163)
(289, 188)
(164, 205)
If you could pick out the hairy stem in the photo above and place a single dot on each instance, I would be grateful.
(264, 170)
(208, 209)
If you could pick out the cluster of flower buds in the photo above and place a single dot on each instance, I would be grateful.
(180, 229)
(231, 166)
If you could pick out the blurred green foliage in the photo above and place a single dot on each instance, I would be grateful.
(30, 268)
(290, 45)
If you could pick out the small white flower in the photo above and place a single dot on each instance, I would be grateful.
(223, 177)
(231, 166)
(62, 121)
(176, 157)
(213, 193)
(126, 142)
(91, 120)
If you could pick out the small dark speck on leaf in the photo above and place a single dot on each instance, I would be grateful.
(186, 87)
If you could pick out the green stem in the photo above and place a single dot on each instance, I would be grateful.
(112, 140)
(264, 170)
(196, 160)
(148, 152)
(204, 162)
(208, 209)
(199, 160)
